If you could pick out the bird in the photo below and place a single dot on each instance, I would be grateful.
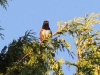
(45, 31)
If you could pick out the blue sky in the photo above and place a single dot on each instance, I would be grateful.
(23, 15)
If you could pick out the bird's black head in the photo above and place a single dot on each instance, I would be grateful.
(45, 25)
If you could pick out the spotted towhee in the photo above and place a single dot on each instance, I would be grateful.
(45, 31)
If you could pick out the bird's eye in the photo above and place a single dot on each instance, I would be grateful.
(46, 22)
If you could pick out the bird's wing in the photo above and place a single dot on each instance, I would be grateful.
(41, 36)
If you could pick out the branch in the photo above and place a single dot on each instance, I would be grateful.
(25, 56)
(59, 31)
(68, 63)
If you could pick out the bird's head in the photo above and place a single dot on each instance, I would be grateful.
(45, 25)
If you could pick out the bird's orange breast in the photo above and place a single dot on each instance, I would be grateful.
(45, 33)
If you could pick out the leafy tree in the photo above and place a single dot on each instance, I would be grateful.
(27, 56)
(87, 41)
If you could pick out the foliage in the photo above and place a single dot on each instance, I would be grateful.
(1, 35)
(87, 41)
(27, 56)
(3, 3)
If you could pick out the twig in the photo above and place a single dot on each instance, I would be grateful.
(25, 56)
(57, 32)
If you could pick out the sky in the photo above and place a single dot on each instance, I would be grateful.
(23, 15)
